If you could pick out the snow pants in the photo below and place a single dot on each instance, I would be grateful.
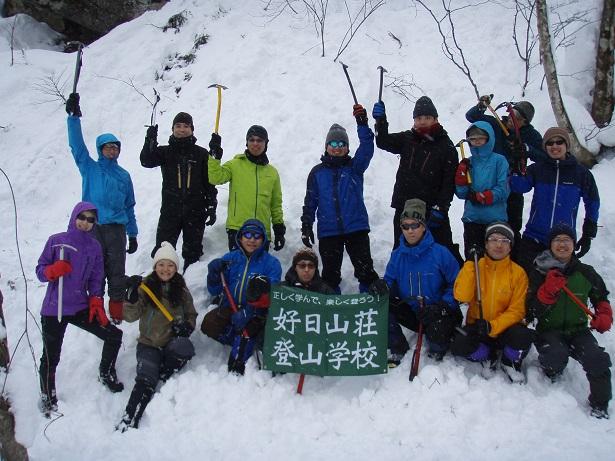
(112, 239)
(516, 341)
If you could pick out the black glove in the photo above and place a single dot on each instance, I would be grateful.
(590, 229)
(152, 132)
(484, 101)
(132, 288)
(183, 329)
(480, 328)
(215, 146)
(477, 250)
(132, 245)
(210, 215)
(378, 287)
(72, 105)
(431, 313)
(278, 236)
(257, 286)
(307, 235)
(360, 114)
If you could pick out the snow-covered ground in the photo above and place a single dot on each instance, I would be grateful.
(275, 77)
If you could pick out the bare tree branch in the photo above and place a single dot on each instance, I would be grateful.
(52, 87)
(367, 9)
(130, 82)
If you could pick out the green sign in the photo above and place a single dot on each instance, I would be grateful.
(326, 335)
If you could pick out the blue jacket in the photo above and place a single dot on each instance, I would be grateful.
(432, 263)
(559, 185)
(489, 171)
(242, 267)
(104, 183)
(334, 192)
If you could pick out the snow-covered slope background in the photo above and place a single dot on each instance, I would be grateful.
(276, 78)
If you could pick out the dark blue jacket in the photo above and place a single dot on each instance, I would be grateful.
(334, 192)
(558, 185)
(432, 263)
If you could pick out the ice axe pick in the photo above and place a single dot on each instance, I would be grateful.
(382, 71)
(220, 88)
(345, 67)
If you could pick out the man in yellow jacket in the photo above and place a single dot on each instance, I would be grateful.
(493, 322)
(255, 191)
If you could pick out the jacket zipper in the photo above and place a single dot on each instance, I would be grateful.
(179, 177)
(555, 193)
(243, 279)
(256, 201)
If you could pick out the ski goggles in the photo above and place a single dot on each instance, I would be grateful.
(413, 226)
(252, 235)
(90, 219)
(557, 142)
(337, 144)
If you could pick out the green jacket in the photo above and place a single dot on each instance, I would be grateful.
(255, 191)
(565, 315)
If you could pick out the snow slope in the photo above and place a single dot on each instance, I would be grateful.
(276, 78)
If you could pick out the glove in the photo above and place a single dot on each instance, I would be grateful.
(484, 101)
(431, 313)
(603, 319)
(152, 132)
(132, 245)
(477, 250)
(210, 215)
(241, 318)
(461, 175)
(378, 111)
(215, 268)
(307, 235)
(550, 288)
(257, 293)
(97, 310)
(481, 198)
(590, 229)
(72, 105)
(278, 240)
(436, 218)
(183, 329)
(132, 289)
(215, 146)
(360, 114)
(378, 287)
(480, 328)
(56, 270)
(116, 311)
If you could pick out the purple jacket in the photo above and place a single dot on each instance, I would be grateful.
(85, 279)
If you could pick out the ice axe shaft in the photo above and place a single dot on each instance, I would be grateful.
(479, 296)
(61, 279)
(463, 157)
(219, 88)
(354, 96)
(152, 119)
(578, 302)
(382, 71)
(78, 64)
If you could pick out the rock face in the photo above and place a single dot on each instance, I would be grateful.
(83, 20)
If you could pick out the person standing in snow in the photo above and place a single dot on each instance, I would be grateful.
(249, 271)
(303, 273)
(81, 274)
(188, 199)
(428, 160)
(255, 189)
(420, 268)
(562, 329)
(482, 181)
(164, 345)
(559, 183)
(108, 186)
(494, 320)
(334, 197)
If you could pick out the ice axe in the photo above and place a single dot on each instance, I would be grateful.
(152, 119)
(220, 88)
(463, 157)
(61, 279)
(78, 65)
(497, 117)
(345, 67)
(382, 71)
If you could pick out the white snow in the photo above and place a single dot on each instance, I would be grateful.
(275, 77)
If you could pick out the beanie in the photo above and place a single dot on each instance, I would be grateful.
(555, 132)
(166, 251)
(305, 254)
(562, 229)
(183, 117)
(424, 106)
(525, 109)
(336, 133)
(500, 227)
(258, 131)
(414, 208)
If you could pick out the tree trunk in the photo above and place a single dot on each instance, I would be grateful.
(557, 104)
(602, 104)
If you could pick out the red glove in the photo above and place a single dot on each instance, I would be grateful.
(603, 319)
(483, 198)
(97, 310)
(549, 290)
(262, 302)
(116, 311)
(461, 176)
(360, 114)
(56, 270)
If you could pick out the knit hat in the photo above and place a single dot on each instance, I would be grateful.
(336, 133)
(562, 229)
(183, 117)
(476, 131)
(414, 208)
(305, 254)
(500, 227)
(258, 131)
(525, 109)
(166, 251)
(424, 106)
(554, 132)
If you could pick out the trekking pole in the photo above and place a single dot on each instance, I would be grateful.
(578, 302)
(382, 71)
(354, 96)
(61, 279)
(220, 88)
(463, 157)
(479, 297)
(416, 355)
(78, 65)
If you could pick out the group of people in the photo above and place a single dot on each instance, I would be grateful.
(509, 281)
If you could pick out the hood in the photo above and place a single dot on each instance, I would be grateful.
(80, 207)
(254, 224)
(420, 248)
(487, 149)
(104, 139)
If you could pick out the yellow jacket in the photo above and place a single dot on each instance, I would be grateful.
(503, 288)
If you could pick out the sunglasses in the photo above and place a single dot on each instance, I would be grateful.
(252, 235)
(337, 144)
(499, 240)
(557, 142)
(413, 226)
(90, 219)
(306, 265)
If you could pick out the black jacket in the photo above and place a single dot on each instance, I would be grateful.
(317, 285)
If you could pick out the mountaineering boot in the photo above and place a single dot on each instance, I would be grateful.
(599, 411)
(109, 379)
(48, 404)
(394, 359)
(139, 398)
(513, 370)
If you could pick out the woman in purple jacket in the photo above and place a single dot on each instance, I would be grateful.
(73, 260)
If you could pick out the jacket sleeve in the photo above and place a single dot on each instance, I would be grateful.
(477, 114)
(134, 311)
(277, 214)
(534, 308)
(151, 155)
(131, 227)
(97, 274)
(310, 202)
(447, 185)
(44, 260)
(465, 283)
(501, 188)
(274, 271)
(390, 273)
(189, 310)
(77, 144)
(450, 271)
(522, 184)
(597, 291)
(218, 173)
(392, 143)
(365, 152)
(214, 286)
(533, 140)
(516, 308)
(462, 192)
(591, 198)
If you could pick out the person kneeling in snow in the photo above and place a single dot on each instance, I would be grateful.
(494, 317)
(163, 346)
(248, 272)
(304, 274)
(562, 329)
